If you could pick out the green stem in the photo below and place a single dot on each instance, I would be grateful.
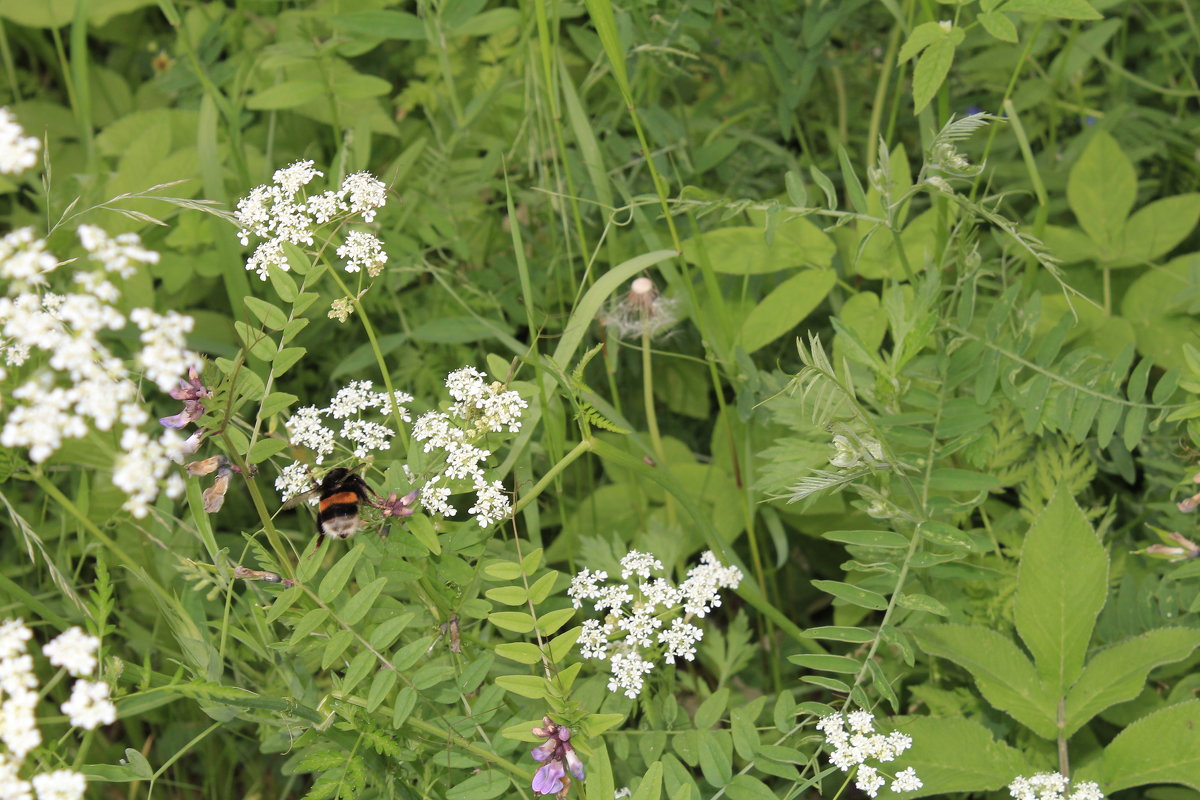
(553, 473)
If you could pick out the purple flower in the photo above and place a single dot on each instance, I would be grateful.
(549, 778)
(558, 755)
(191, 389)
(192, 411)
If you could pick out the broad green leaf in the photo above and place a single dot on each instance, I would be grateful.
(956, 755)
(742, 250)
(276, 402)
(716, 757)
(747, 787)
(1101, 189)
(650, 787)
(357, 606)
(843, 665)
(515, 621)
(889, 539)
(339, 573)
(1059, 9)
(854, 595)
(1158, 305)
(742, 727)
(1118, 673)
(508, 595)
(784, 713)
(288, 94)
(264, 449)
(1004, 675)
(1155, 229)
(482, 785)
(382, 24)
(599, 783)
(785, 307)
(921, 37)
(1161, 747)
(561, 645)
(503, 570)
(549, 623)
(529, 686)
(998, 25)
(286, 359)
(931, 70)
(712, 709)
(1061, 587)
(267, 313)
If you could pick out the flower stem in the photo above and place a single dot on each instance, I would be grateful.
(651, 414)
(553, 473)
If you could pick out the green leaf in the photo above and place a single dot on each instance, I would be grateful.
(542, 587)
(1055, 607)
(1059, 9)
(1101, 189)
(264, 449)
(383, 24)
(1161, 747)
(923, 602)
(288, 94)
(599, 784)
(784, 713)
(481, 786)
(712, 709)
(421, 527)
(489, 22)
(961, 480)
(650, 787)
(268, 314)
(931, 70)
(787, 305)
(998, 25)
(521, 652)
(854, 595)
(286, 359)
(508, 595)
(357, 606)
(285, 284)
(561, 645)
(743, 729)
(843, 665)
(359, 667)
(841, 634)
(1004, 675)
(716, 757)
(797, 194)
(742, 250)
(406, 699)
(854, 190)
(382, 684)
(515, 621)
(1118, 673)
(957, 755)
(552, 621)
(276, 402)
(1155, 230)
(921, 37)
(335, 579)
(503, 570)
(529, 686)
(747, 787)
(889, 539)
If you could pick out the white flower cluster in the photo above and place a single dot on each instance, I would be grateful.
(81, 384)
(88, 707)
(853, 740)
(479, 408)
(275, 213)
(651, 602)
(18, 152)
(1053, 786)
(307, 429)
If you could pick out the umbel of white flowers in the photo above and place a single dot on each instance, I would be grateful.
(89, 707)
(635, 628)
(853, 741)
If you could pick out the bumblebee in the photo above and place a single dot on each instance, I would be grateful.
(340, 493)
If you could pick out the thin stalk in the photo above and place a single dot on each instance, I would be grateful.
(660, 454)
(551, 474)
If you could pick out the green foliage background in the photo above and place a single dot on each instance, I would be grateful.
(1021, 340)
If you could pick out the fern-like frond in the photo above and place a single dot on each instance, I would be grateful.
(820, 480)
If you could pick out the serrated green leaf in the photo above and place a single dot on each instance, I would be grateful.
(1161, 747)
(998, 25)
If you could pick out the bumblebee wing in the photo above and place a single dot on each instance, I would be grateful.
(304, 497)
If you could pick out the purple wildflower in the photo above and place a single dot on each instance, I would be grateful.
(558, 757)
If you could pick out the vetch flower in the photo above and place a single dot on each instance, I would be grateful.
(558, 759)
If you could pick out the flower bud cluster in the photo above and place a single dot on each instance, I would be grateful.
(853, 741)
(632, 637)
(89, 707)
